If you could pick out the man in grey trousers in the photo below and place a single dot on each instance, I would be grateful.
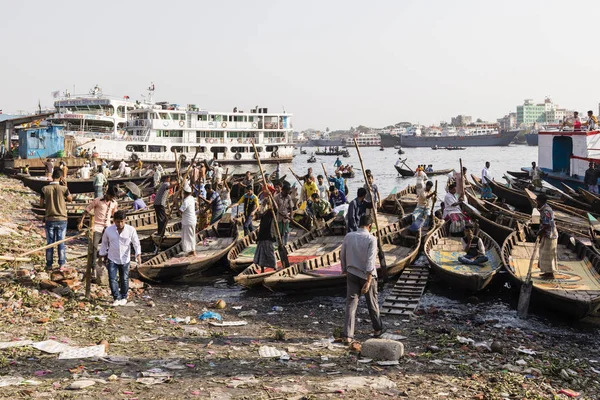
(358, 255)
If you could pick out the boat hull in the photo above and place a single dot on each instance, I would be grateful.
(532, 139)
(499, 139)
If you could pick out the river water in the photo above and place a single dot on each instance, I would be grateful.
(381, 163)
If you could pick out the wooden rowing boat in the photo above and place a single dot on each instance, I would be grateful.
(519, 174)
(575, 288)
(513, 197)
(400, 249)
(212, 245)
(312, 245)
(443, 251)
(593, 200)
(402, 202)
(498, 225)
(408, 173)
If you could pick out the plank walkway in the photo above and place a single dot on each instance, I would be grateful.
(406, 294)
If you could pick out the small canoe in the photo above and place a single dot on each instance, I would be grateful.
(497, 225)
(455, 148)
(408, 173)
(515, 198)
(212, 245)
(443, 251)
(348, 175)
(519, 174)
(575, 288)
(592, 199)
(400, 248)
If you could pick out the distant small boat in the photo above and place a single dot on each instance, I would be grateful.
(455, 148)
(311, 160)
(407, 172)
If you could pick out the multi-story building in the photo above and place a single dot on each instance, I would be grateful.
(507, 122)
(461, 120)
(544, 113)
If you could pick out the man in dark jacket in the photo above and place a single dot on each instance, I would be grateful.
(357, 208)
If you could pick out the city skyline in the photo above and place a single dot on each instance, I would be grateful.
(333, 64)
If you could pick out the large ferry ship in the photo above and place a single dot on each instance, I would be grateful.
(465, 137)
(116, 129)
(364, 140)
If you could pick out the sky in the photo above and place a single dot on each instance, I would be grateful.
(331, 63)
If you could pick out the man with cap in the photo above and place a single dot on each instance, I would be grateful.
(338, 181)
(548, 236)
(188, 222)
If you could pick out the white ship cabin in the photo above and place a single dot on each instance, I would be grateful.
(93, 115)
(568, 152)
(156, 131)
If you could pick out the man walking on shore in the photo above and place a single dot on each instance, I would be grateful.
(54, 198)
(116, 248)
(357, 257)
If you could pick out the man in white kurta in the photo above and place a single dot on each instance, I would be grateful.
(188, 222)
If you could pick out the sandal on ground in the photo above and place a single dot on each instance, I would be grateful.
(381, 332)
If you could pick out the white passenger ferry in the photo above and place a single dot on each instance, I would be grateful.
(364, 140)
(152, 132)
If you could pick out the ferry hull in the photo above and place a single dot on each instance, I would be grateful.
(388, 140)
(500, 139)
(532, 139)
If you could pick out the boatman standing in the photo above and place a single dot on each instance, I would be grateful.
(591, 178)
(338, 181)
(337, 163)
(485, 180)
(592, 122)
(251, 205)
(188, 222)
(536, 175)
(548, 236)
(357, 257)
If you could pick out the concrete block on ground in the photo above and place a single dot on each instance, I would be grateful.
(382, 349)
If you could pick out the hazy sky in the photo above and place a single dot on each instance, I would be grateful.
(333, 64)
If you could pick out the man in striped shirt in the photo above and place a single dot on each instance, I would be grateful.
(216, 205)
(160, 203)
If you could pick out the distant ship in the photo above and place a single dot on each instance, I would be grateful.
(322, 140)
(364, 140)
(532, 139)
(464, 137)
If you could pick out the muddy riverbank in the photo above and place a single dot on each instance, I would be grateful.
(157, 347)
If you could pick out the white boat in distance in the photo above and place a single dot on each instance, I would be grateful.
(151, 132)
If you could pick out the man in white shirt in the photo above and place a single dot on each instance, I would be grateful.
(218, 170)
(486, 178)
(122, 166)
(323, 188)
(188, 222)
(357, 256)
(84, 172)
(117, 240)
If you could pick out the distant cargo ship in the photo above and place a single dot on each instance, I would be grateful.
(532, 139)
(464, 138)
(323, 142)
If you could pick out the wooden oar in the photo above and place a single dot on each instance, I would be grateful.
(53, 244)
(433, 202)
(526, 287)
(462, 177)
(281, 247)
(382, 262)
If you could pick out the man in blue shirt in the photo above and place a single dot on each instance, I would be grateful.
(356, 209)
(338, 182)
(337, 163)
(216, 205)
(336, 198)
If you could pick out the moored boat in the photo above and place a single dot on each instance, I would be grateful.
(443, 251)
(408, 173)
(400, 249)
(213, 244)
(401, 202)
(575, 288)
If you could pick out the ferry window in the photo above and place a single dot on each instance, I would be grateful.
(250, 119)
(272, 148)
(179, 149)
(32, 134)
(136, 148)
(203, 117)
(163, 115)
(157, 149)
(201, 149)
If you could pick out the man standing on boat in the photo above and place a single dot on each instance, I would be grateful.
(592, 122)
(485, 181)
(214, 201)
(423, 208)
(117, 240)
(453, 212)
(99, 182)
(323, 188)
(251, 205)
(284, 204)
(356, 209)
(338, 163)
(122, 166)
(591, 178)
(548, 236)
(373, 196)
(188, 222)
(357, 256)
(160, 203)
(536, 175)
(338, 181)
(54, 199)
(103, 209)
(49, 167)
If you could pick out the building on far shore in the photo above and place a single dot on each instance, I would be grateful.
(508, 122)
(542, 113)
(461, 120)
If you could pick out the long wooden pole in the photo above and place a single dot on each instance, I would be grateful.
(462, 178)
(283, 256)
(53, 244)
(89, 267)
(433, 202)
(382, 262)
